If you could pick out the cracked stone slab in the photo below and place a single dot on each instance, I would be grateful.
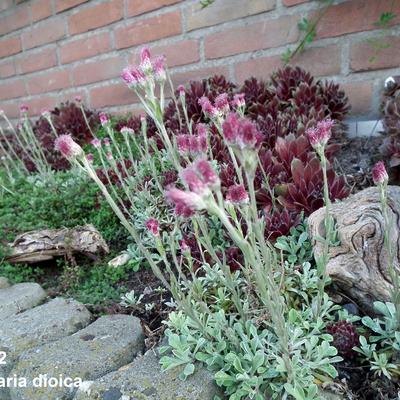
(40, 325)
(100, 348)
(143, 379)
(4, 282)
(20, 297)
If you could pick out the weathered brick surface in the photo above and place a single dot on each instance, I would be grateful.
(49, 81)
(41, 9)
(46, 32)
(323, 61)
(16, 20)
(51, 50)
(7, 68)
(111, 95)
(224, 10)
(252, 37)
(12, 89)
(80, 49)
(37, 60)
(96, 71)
(360, 96)
(380, 53)
(96, 16)
(355, 16)
(137, 7)
(181, 53)
(10, 46)
(148, 30)
(62, 5)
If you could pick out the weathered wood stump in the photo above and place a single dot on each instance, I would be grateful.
(42, 245)
(359, 265)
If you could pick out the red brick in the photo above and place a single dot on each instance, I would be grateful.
(10, 108)
(94, 17)
(360, 96)
(149, 29)
(111, 95)
(379, 53)
(137, 7)
(49, 81)
(99, 70)
(62, 5)
(84, 48)
(185, 77)
(37, 61)
(10, 46)
(180, 53)
(318, 61)
(12, 22)
(289, 3)
(262, 35)
(7, 68)
(224, 10)
(12, 89)
(41, 9)
(355, 16)
(5, 4)
(36, 105)
(46, 32)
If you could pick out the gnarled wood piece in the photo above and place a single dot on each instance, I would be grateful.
(42, 245)
(359, 265)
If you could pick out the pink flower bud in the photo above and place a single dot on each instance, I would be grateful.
(159, 69)
(237, 194)
(153, 226)
(182, 142)
(103, 119)
(23, 108)
(145, 61)
(222, 103)
(202, 135)
(320, 135)
(185, 202)
(181, 90)
(96, 142)
(133, 76)
(78, 99)
(194, 145)
(195, 184)
(68, 148)
(184, 246)
(238, 100)
(230, 128)
(207, 108)
(126, 130)
(90, 157)
(206, 171)
(107, 142)
(379, 174)
(109, 156)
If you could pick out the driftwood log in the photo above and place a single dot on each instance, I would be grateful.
(42, 245)
(359, 265)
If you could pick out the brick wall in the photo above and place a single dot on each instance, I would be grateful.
(52, 50)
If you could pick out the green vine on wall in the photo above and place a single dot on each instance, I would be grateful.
(308, 28)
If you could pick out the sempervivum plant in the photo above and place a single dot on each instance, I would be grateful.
(345, 337)
(67, 119)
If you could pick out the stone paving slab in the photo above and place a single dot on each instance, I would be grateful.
(100, 348)
(20, 297)
(144, 380)
(40, 325)
(4, 283)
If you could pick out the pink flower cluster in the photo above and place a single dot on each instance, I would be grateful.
(320, 135)
(238, 101)
(193, 144)
(148, 69)
(237, 194)
(153, 226)
(379, 174)
(241, 132)
(23, 108)
(200, 179)
(67, 147)
(220, 107)
(103, 119)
